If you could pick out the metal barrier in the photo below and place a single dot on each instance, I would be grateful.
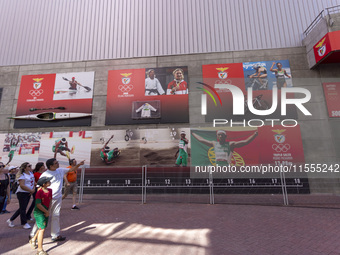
(154, 183)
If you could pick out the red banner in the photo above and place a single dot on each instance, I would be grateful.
(137, 96)
(281, 145)
(55, 93)
(328, 45)
(332, 95)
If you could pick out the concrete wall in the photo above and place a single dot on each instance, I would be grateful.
(321, 136)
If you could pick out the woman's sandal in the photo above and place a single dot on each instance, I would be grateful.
(33, 244)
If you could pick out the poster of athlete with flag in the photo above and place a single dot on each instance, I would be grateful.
(240, 146)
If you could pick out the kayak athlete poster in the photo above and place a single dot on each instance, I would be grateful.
(55, 100)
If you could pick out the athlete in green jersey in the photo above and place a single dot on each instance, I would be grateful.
(60, 146)
(223, 149)
(13, 144)
(182, 150)
(108, 155)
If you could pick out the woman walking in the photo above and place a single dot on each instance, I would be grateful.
(26, 188)
(4, 187)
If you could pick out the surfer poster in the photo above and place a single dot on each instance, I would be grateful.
(55, 100)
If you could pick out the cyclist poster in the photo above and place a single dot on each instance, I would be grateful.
(55, 100)
(165, 90)
(263, 75)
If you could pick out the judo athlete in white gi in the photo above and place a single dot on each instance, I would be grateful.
(152, 85)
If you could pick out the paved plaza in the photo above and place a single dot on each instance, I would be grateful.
(127, 227)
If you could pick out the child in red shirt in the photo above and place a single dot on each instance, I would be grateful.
(41, 212)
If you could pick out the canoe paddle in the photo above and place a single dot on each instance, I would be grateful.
(85, 87)
(37, 109)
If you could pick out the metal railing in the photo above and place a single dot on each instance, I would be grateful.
(333, 9)
(314, 23)
(174, 181)
(321, 15)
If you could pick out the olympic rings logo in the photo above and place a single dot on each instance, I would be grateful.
(36, 93)
(281, 147)
(223, 82)
(125, 88)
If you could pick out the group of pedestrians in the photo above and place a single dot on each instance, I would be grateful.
(45, 186)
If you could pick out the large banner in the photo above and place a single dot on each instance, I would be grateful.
(332, 95)
(18, 148)
(65, 146)
(171, 146)
(160, 147)
(138, 147)
(261, 76)
(246, 146)
(326, 50)
(115, 148)
(55, 100)
(144, 96)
